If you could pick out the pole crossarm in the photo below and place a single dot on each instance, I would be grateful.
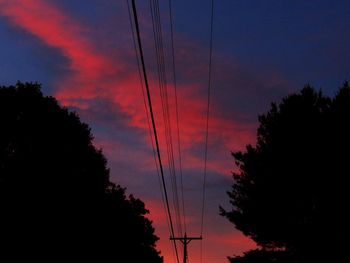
(185, 240)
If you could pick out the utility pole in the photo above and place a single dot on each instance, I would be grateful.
(185, 241)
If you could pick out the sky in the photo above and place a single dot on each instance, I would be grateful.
(82, 52)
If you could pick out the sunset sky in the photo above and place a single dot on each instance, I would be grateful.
(82, 52)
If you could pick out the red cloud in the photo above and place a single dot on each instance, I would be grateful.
(93, 73)
(56, 30)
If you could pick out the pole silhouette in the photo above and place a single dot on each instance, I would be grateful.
(185, 241)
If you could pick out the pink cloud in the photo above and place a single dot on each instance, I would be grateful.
(56, 30)
(94, 74)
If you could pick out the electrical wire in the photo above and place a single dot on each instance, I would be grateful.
(160, 57)
(153, 121)
(177, 114)
(207, 121)
(147, 114)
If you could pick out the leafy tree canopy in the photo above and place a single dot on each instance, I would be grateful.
(56, 200)
(291, 189)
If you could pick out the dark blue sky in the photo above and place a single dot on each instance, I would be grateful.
(82, 53)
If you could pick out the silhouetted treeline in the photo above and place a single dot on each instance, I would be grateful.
(56, 200)
(291, 192)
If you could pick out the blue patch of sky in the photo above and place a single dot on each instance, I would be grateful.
(304, 41)
(300, 39)
(25, 58)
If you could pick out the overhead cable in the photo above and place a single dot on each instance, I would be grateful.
(153, 121)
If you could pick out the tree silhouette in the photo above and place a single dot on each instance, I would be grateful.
(56, 200)
(290, 192)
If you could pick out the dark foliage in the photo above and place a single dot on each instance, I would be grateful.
(56, 200)
(291, 190)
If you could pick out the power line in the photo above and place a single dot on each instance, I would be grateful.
(147, 114)
(177, 113)
(207, 119)
(160, 58)
(153, 122)
(165, 107)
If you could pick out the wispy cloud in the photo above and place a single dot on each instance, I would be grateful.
(103, 86)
